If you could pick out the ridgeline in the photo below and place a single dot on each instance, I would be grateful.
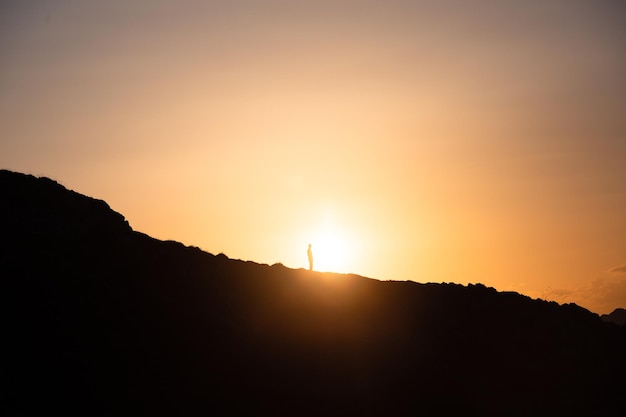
(103, 320)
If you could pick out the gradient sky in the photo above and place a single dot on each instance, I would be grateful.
(437, 141)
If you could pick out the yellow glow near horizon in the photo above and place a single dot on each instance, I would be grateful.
(332, 252)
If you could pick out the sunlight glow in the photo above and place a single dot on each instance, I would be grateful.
(332, 252)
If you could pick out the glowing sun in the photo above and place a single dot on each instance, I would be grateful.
(332, 252)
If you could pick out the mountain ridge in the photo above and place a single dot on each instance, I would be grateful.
(108, 320)
(617, 316)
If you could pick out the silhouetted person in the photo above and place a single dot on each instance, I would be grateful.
(309, 253)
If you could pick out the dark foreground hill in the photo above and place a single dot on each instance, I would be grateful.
(618, 316)
(102, 320)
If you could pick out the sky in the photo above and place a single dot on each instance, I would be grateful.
(434, 141)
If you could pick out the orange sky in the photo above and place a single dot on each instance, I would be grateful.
(425, 140)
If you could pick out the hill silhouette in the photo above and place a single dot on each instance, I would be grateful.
(103, 320)
(617, 316)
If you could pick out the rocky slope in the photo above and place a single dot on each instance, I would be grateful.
(103, 320)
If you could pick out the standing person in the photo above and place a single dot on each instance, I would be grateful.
(309, 253)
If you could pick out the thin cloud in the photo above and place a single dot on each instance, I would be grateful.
(601, 295)
(619, 270)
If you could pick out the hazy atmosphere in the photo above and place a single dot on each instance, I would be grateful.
(434, 141)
